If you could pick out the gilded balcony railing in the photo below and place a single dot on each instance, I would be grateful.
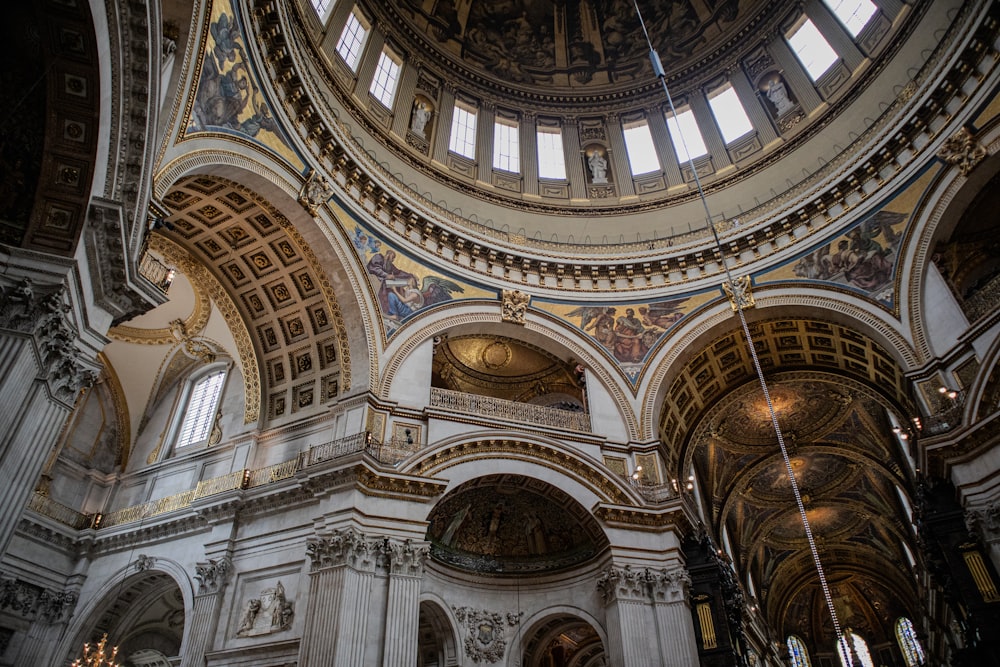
(66, 515)
(228, 482)
(273, 473)
(499, 408)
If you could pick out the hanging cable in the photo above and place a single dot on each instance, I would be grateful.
(842, 646)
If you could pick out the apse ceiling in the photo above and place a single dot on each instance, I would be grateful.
(512, 524)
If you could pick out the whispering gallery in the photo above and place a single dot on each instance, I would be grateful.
(527, 333)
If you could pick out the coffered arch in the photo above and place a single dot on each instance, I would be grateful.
(277, 284)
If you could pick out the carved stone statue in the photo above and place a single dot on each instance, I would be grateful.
(421, 115)
(778, 94)
(598, 167)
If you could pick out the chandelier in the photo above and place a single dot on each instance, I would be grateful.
(98, 657)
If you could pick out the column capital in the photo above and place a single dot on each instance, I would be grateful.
(621, 584)
(669, 585)
(407, 559)
(213, 575)
(347, 547)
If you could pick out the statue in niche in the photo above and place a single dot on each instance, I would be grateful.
(598, 167)
(777, 93)
(271, 612)
(421, 115)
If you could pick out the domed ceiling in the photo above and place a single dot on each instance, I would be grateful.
(589, 45)
(512, 524)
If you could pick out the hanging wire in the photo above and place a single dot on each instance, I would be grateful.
(842, 645)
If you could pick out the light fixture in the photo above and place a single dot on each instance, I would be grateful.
(98, 657)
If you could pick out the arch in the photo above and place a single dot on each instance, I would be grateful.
(437, 632)
(322, 240)
(109, 593)
(538, 630)
(540, 330)
(942, 211)
(471, 455)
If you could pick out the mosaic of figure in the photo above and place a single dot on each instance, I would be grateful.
(631, 334)
(863, 258)
(403, 287)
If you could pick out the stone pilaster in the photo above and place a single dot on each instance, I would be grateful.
(674, 626)
(406, 568)
(212, 577)
(47, 610)
(343, 567)
(42, 370)
(624, 591)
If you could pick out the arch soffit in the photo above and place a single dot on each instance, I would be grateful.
(699, 337)
(546, 333)
(940, 211)
(528, 626)
(83, 617)
(276, 187)
(582, 477)
(443, 612)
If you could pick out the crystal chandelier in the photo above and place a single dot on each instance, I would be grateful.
(99, 656)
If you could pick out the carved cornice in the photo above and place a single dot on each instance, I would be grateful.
(392, 486)
(638, 519)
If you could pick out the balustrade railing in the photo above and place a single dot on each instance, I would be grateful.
(155, 271)
(499, 408)
(67, 515)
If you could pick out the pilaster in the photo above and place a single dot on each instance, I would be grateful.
(406, 569)
(212, 577)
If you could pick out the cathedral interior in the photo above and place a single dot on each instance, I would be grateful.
(487, 332)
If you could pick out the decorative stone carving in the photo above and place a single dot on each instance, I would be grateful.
(315, 192)
(406, 559)
(347, 547)
(485, 632)
(739, 293)
(622, 583)
(144, 562)
(984, 520)
(213, 575)
(963, 150)
(625, 584)
(43, 311)
(108, 260)
(515, 306)
(269, 613)
(34, 602)
(669, 585)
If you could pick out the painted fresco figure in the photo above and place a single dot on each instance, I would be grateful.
(396, 287)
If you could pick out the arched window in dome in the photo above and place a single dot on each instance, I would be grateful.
(551, 159)
(640, 148)
(729, 113)
(854, 14)
(797, 652)
(506, 145)
(322, 8)
(199, 405)
(812, 49)
(684, 132)
(858, 650)
(386, 76)
(352, 39)
(913, 652)
(463, 130)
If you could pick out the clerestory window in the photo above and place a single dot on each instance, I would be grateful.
(351, 41)
(386, 76)
(199, 408)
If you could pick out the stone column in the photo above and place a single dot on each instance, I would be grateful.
(835, 33)
(629, 625)
(714, 142)
(403, 104)
(674, 625)
(402, 619)
(445, 112)
(212, 577)
(657, 120)
(340, 584)
(529, 152)
(619, 156)
(42, 371)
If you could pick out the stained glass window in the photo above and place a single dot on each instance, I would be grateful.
(797, 651)
(913, 652)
